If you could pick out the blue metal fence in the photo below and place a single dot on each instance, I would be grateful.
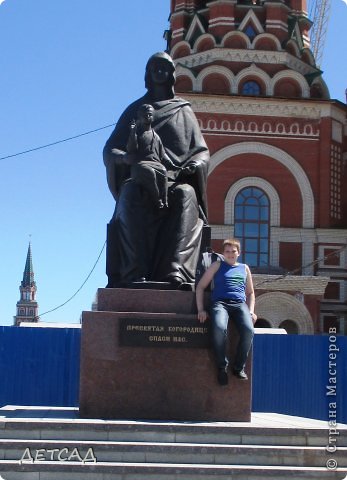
(40, 366)
(291, 374)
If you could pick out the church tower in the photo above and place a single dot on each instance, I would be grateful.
(27, 307)
(278, 147)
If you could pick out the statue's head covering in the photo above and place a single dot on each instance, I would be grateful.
(162, 56)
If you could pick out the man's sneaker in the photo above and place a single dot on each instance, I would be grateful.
(240, 374)
(222, 376)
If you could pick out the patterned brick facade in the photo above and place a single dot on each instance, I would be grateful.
(265, 112)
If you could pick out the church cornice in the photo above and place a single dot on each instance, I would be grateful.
(309, 285)
(245, 56)
(261, 129)
(265, 107)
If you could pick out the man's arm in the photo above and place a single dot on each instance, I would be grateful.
(205, 280)
(250, 294)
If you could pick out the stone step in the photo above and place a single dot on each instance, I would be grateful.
(270, 446)
(43, 470)
(175, 453)
(172, 432)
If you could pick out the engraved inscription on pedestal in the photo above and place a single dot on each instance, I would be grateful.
(153, 332)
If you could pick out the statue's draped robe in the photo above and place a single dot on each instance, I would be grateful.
(144, 241)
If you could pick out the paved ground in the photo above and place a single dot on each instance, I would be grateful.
(266, 420)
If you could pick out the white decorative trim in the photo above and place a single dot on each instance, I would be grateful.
(281, 156)
(252, 182)
(181, 5)
(338, 114)
(277, 27)
(236, 33)
(270, 36)
(307, 257)
(337, 131)
(196, 24)
(221, 232)
(308, 238)
(317, 235)
(254, 71)
(262, 128)
(259, 107)
(276, 24)
(182, 71)
(224, 71)
(222, 24)
(178, 46)
(275, 307)
(285, 74)
(274, 250)
(200, 39)
(246, 56)
(306, 40)
(177, 33)
(266, 107)
(255, 135)
(251, 18)
(221, 20)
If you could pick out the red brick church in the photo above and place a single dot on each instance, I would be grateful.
(278, 148)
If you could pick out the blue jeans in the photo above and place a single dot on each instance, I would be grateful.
(239, 313)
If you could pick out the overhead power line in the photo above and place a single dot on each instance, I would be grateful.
(281, 277)
(303, 267)
(57, 142)
(77, 291)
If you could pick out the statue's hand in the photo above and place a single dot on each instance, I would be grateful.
(189, 169)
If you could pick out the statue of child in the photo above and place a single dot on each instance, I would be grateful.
(149, 160)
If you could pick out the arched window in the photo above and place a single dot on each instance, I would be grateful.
(251, 88)
(252, 226)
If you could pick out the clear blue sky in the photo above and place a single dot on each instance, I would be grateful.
(67, 67)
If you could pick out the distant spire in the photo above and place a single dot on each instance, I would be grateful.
(28, 275)
(27, 306)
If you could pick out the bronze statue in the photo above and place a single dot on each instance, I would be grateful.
(159, 245)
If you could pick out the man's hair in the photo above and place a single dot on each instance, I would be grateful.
(232, 242)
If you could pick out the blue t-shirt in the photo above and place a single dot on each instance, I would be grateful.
(230, 282)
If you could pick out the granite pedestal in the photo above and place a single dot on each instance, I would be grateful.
(144, 355)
